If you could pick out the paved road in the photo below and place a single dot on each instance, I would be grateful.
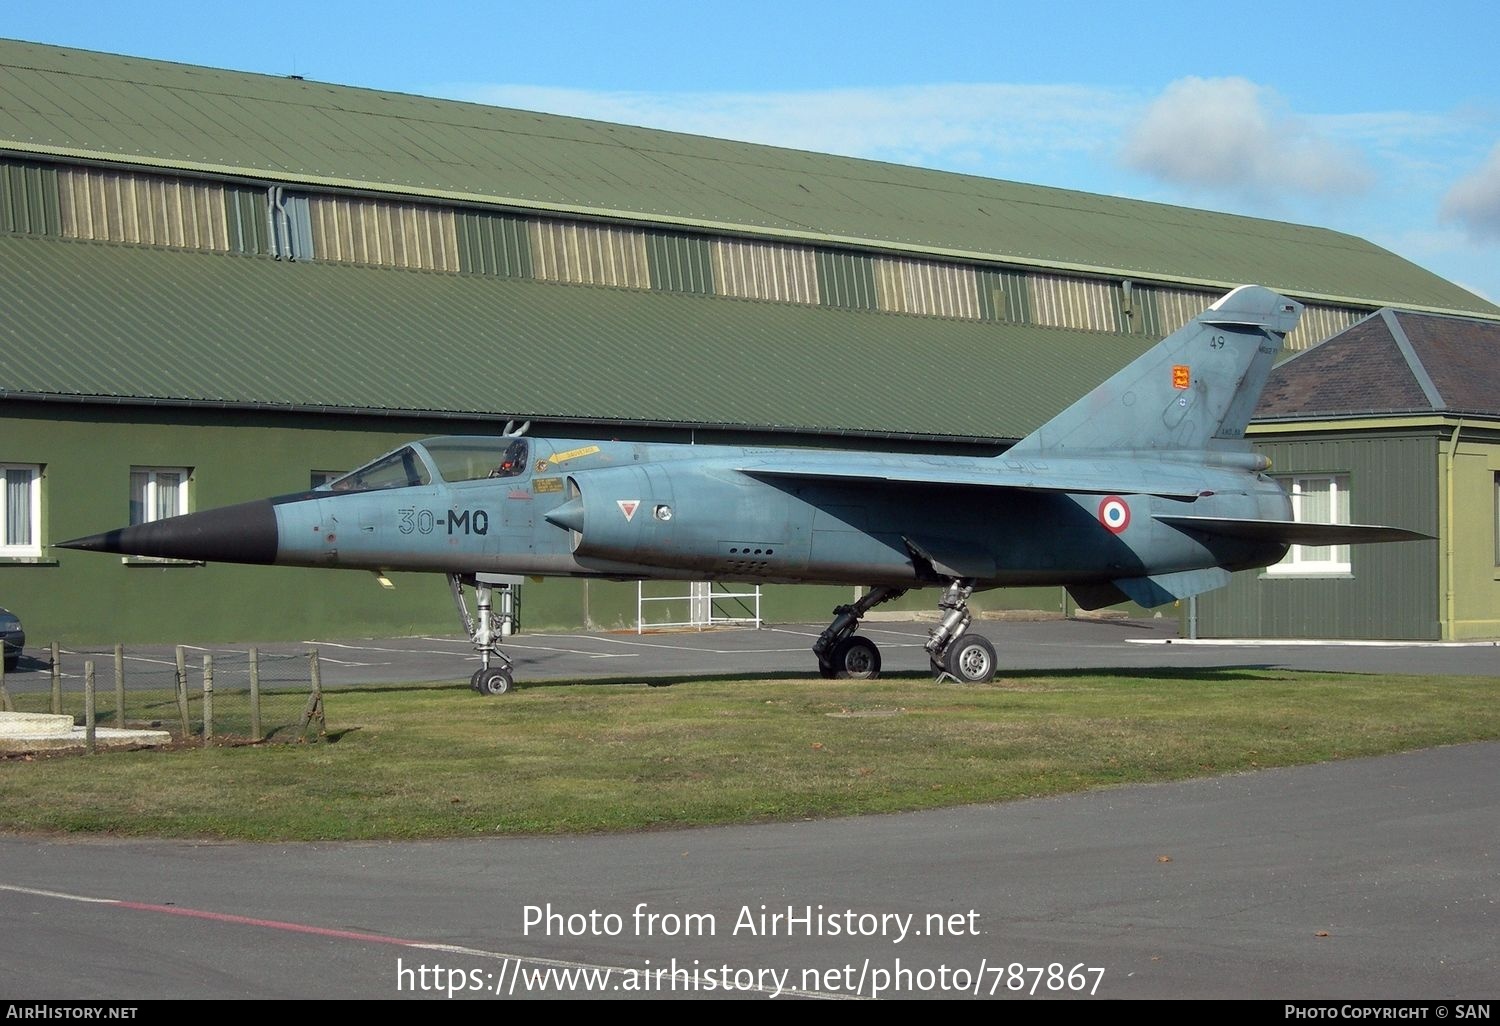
(1223, 887)
(1371, 878)
(1040, 645)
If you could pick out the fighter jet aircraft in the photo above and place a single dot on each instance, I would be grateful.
(1144, 489)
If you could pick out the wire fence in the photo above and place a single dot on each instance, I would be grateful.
(227, 696)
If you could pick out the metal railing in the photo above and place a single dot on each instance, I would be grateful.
(707, 607)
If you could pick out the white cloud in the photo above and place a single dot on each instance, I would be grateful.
(962, 127)
(1474, 201)
(1229, 144)
(1232, 135)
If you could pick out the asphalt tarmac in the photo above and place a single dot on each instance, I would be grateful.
(785, 650)
(1361, 880)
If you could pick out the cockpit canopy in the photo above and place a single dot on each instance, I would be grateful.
(451, 458)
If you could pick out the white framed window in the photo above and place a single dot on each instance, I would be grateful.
(1317, 499)
(20, 510)
(157, 493)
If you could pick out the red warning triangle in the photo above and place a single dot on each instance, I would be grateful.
(628, 507)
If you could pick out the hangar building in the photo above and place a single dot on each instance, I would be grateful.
(221, 286)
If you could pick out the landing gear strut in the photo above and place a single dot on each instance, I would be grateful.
(843, 654)
(497, 679)
(952, 651)
(967, 658)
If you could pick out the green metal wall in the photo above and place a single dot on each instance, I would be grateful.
(846, 279)
(28, 198)
(89, 598)
(1393, 592)
(86, 453)
(493, 244)
(680, 263)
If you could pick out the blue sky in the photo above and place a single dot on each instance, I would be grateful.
(1378, 120)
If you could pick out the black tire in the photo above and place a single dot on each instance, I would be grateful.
(494, 681)
(856, 658)
(11, 662)
(971, 659)
(825, 669)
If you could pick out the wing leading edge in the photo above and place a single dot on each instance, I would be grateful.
(1071, 479)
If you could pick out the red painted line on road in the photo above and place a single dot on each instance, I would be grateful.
(270, 924)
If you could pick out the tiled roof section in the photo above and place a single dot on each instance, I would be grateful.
(1358, 371)
(1392, 362)
(1463, 358)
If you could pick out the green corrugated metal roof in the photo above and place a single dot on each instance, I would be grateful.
(83, 104)
(118, 322)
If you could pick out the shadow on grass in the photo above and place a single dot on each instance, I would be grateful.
(1247, 673)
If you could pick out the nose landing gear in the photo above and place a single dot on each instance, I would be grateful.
(498, 679)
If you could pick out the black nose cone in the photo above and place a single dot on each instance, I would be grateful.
(231, 534)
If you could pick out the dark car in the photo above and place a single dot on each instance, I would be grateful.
(13, 637)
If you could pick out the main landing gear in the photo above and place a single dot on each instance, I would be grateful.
(490, 679)
(951, 650)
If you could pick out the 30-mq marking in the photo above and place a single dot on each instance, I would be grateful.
(425, 521)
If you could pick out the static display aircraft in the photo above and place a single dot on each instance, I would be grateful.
(1144, 489)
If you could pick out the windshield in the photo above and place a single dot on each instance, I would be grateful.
(401, 469)
(466, 459)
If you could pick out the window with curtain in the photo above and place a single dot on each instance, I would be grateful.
(157, 493)
(20, 511)
(1317, 499)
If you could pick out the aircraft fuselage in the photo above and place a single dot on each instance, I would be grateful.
(628, 510)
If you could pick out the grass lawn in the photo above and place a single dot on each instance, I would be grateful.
(442, 762)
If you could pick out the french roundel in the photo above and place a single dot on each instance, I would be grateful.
(1114, 514)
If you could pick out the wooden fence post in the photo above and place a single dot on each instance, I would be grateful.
(5, 705)
(182, 702)
(119, 685)
(314, 708)
(88, 706)
(208, 700)
(56, 680)
(254, 694)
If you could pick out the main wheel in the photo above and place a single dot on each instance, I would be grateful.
(493, 681)
(856, 658)
(971, 659)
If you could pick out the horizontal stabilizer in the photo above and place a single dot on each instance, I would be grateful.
(1292, 533)
(1164, 588)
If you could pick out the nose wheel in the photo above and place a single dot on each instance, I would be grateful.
(496, 674)
(495, 680)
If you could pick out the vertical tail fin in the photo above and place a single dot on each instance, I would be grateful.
(1196, 389)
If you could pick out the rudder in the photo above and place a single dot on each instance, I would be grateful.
(1194, 390)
